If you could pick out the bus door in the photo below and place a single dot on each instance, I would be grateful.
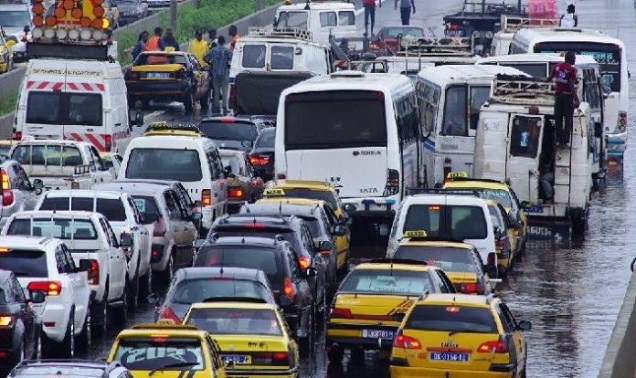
(525, 136)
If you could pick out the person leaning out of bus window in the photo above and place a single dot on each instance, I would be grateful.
(565, 98)
(569, 19)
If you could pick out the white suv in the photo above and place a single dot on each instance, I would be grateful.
(92, 242)
(125, 219)
(46, 265)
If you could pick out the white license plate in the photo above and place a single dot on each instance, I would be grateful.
(449, 356)
(157, 75)
(377, 334)
(454, 33)
(239, 359)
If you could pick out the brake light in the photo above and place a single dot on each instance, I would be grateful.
(7, 193)
(276, 358)
(159, 228)
(406, 342)
(470, 288)
(259, 159)
(235, 192)
(167, 313)
(108, 141)
(490, 261)
(206, 197)
(227, 120)
(499, 243)
(50, 288)
(304, 262)
(288, 288)
(497, 346)
(392, 182)
(17, 135)
(341, 313)
(6, 320)
(93, 273)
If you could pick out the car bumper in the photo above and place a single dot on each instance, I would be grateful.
(164, 89)
(350, 336)
(407, 371)
(371, 207)
(233, 206)
(54, 321)
(262, 373)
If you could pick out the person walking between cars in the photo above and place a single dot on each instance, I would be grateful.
(199, 48)
(369, 14)
(141, 44)
(406, 7)
(565, 98)
(169, 42)
(569, 19)
(219, 58)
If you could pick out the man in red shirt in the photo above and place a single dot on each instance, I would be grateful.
(565, 99)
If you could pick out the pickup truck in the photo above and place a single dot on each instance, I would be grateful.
(61, 164)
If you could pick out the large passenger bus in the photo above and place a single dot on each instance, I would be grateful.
(609, 52)
(356, 130)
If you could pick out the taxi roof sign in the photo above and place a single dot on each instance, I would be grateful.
(273, 192)
(415, 234)
(457, 174)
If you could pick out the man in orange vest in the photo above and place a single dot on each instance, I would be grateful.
(155, 43)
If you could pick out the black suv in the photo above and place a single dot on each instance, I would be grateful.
(262, 155)
(276, 258)
(289, 228)
(232, 133)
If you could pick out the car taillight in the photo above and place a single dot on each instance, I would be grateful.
(499, 243)
(235, 192)
(490, 261)
(167, 313)
(288, 288)
(6, 320)
(206, 197)
(470, 288)
(131, 75)
(93, 273)
(276, 358)
(17, 135)
(406, 342)
(259, 159)
(159, 228)
(341, 313)
(304, 262)
(50, 288)
(392, 182)
(495, 346)
(7, 193)
(108, 142)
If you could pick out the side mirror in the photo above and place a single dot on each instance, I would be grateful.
(340, 230)
(84, 265)
(154, 299)
(524, 325)
(139, 119)
(37, 297)
(325, 245)
(399, 316)
(38, 184)
(247, 143)
(125, 240)
(227, 170)
(196, 216)
(311, 272)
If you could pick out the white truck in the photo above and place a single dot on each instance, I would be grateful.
(61, 164)
(92, 243)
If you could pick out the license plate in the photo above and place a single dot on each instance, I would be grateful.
(448, 356)
(157, 75)
(377, 334)
(454, 33)
(239, 359)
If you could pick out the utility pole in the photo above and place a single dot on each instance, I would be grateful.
(173, 15)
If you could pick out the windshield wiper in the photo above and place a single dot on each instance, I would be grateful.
(173, 365)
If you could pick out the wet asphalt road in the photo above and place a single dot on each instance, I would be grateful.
(571, 292)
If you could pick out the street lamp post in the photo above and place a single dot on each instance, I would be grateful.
(173, 14)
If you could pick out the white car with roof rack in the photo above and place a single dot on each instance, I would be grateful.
(46, 265)
(92, 242)
(125, 220)
(510, 24)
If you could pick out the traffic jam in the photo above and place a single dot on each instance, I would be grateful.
(448, 154)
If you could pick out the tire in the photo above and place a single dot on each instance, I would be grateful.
(67, 347)
(188, 102)
(100, 314)
(167, 275)
(84, 339)
(120, 315)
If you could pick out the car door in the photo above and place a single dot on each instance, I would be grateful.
(24, 309)
(79, 282)
(29, 194)
(117, 264)
(513, 335)
(188, 231)
(145, 237)
(18, 187)
(102, 174)
(174, 218)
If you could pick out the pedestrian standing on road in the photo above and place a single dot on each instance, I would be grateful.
(212, 39)
(169, 41)
(199, 48)
(141, 44)
(234, 36)
(369, 14)
(406, 7)
(569, 19)
(220, 58)
(565, 99)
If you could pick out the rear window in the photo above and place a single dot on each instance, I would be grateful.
(452, 319)
(160, 352)
(441, 221)
(253, 56)
(282, 57)
(242, 321)
(194, 291)
(270, 233)
(112, 209)
(164, 164)
(266, 139)
(65, 229)
(24, 263)
(396, 282)
(322, 195)
(228, 130)
(148, 207)
(47, 155)
(447, 258)
(314, 227)
(265, 259)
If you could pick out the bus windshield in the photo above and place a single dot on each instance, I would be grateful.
(608, 56)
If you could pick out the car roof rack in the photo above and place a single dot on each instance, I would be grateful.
(446, 46)
(512, 23)
(522, 90)
(234, 299)
(442, 191)
(293, 33)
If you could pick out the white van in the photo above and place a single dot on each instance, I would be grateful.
(445, 214)
(356, 130)
(321, 18)
(190, 159)
(82, 100)
(449, 99)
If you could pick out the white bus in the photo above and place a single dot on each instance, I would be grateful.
(356, 130)
(449, 99)
(609, 52)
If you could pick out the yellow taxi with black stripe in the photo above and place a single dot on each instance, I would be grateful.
(370, 301)
(500, 192)
(252, 335)
(308, 189)
(460, 261)
(168, 350)
(459, 336)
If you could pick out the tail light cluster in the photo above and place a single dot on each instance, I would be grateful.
(6, 320)
(131, 75)
(491, 260)
(206, 197)
(304, 262)
(259, 159)
(17, 135)
(340, 313)
(93, 273)
(406, 342)
(275, 359)
(495, 346)
(7, 193)
(470, 288)
(167, 313)
(50, 288)
(288, 289)
(499, 244)
(392, 182)
(622, 121)
(235, 192)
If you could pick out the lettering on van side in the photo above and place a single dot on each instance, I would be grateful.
(369, 191)
(367, 153)
(48, 71)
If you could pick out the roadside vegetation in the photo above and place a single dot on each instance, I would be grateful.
(7, 105)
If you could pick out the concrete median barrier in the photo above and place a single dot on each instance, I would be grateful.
(620, 355)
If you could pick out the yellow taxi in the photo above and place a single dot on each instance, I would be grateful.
(342, 238)
(367, 308)
(458, 336)
(6, 54)
(500, 192)
(319, 190)
(253, 337)
(460, 261)
(167, 350)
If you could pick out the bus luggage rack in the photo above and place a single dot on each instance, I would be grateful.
(412, 46)
(294, 33)
(512, 24)
(521, 90)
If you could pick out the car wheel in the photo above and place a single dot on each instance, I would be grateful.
(188, 101)
(100, 316)
(335, 354)
(85, 337)
(133, 293)
(68, 344)
(121, 313)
